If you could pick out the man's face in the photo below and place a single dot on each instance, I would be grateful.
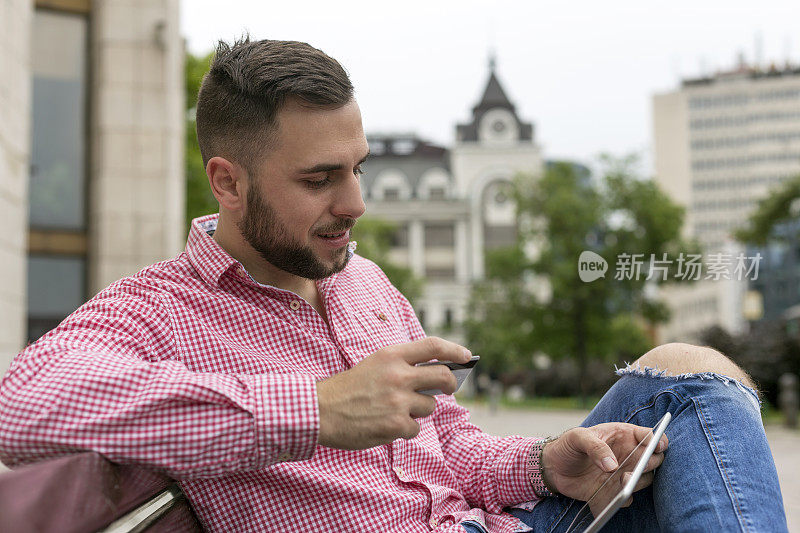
(306, 195)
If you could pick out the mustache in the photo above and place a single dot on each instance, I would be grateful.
(343, 225)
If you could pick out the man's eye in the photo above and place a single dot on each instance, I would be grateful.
(358, 171)
(317, 184)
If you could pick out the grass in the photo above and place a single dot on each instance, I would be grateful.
(537, 403)
(769, 413)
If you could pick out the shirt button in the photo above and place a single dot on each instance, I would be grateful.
(295, 305)
(398, 471)
(382, 316)
(284, 456)
(434, 522)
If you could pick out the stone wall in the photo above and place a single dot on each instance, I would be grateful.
(15, 90)
(137, 182)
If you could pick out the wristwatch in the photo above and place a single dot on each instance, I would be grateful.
(536, 472)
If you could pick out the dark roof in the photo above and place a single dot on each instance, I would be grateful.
(383, 145)
(493, 96)
(405, 152)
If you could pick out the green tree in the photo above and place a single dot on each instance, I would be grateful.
(374, 237)
(533, 300)
(199, 200)
(781, 206)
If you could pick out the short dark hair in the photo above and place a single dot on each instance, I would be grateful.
(246, 86)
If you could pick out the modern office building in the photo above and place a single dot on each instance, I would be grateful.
(721, 144)
(91, 152)
(452, 204)
(778, 286)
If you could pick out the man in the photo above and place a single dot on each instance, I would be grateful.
(273, 372)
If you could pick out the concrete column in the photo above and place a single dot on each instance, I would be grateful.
(462, 252)
(15, 151)
(476, 240)
(137, 178)
(416, 247)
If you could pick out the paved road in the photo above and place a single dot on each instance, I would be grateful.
(785, 444)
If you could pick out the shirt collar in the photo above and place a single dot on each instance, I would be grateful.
(209, 258)
(211, 261)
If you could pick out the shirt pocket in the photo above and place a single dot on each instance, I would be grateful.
(379, 328)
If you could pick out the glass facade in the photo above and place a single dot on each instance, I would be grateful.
(58, 181)
(58, 150)
(56, 287)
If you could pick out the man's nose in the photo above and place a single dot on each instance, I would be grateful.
(349, 203)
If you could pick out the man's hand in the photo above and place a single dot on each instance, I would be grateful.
(375, 402)
(582, 459)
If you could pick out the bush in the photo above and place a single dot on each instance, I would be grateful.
(561, 379)
(766, 353)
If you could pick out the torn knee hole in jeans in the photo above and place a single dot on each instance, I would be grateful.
(646, 371)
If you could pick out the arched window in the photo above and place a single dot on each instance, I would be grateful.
(434, 185)
(499, 215)
(391, 185)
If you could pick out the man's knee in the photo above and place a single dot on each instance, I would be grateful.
(680, 358)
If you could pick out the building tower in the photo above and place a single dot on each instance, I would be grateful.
(450, 205)
(490, 150)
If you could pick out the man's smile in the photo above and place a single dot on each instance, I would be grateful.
(335, 240)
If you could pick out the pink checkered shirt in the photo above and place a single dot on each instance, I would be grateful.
(193, 368)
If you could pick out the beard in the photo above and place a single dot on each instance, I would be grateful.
(262, 230)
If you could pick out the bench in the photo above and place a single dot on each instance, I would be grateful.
(87, 493)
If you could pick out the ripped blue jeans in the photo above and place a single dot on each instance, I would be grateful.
(718, 473)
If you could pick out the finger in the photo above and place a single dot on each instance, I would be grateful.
(642, 433)
(434, 377)
(645, 434)
(654, 462)
(433, 348)
(644, 481)
(421, 406)
(628, 502)
(625, 478)
(411, 429)
(597, 449)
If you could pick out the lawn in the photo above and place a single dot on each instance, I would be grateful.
(769, 413)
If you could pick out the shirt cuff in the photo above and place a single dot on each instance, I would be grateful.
(287, 419)
(510, 471)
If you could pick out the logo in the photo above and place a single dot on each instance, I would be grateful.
(591, 266)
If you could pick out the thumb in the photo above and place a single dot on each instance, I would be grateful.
(600, 452)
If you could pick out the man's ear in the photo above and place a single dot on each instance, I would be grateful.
(228, 182)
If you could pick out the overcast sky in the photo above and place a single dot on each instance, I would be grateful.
(582, 71)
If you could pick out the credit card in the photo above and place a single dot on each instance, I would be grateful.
(459, 370)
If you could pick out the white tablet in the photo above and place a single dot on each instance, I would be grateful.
(651, 441)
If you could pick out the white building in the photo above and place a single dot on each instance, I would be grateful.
(91, 153)
(451, 205)
(721, 143)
